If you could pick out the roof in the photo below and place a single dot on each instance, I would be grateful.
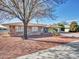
(21, 24)
(1, 26)
(16, 21)
(9, 21)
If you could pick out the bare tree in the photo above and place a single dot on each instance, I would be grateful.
(26, 10)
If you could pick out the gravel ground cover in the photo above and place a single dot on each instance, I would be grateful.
(13, 47)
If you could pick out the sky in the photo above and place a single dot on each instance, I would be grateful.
(66, 12)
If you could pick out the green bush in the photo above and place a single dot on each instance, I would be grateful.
(55, 33)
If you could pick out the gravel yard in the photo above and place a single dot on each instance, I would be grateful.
(13, 47)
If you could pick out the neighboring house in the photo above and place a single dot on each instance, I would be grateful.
(3, 31)
(67, 28)
(2, 27)
(58, 28)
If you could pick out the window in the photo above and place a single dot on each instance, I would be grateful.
(19, 29)
(34, 29)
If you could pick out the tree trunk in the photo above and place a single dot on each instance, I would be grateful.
(25, 31)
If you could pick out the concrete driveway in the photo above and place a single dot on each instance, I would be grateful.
(70, 34)
(67, 51)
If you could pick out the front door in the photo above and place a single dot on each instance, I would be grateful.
(45, 30)
(12, 29)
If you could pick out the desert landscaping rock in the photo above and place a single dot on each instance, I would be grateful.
(13, 47)
(66, 51)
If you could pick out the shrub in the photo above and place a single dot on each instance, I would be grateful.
(74, 27)
(55, 33)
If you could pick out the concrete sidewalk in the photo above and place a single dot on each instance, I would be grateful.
(66, 51)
